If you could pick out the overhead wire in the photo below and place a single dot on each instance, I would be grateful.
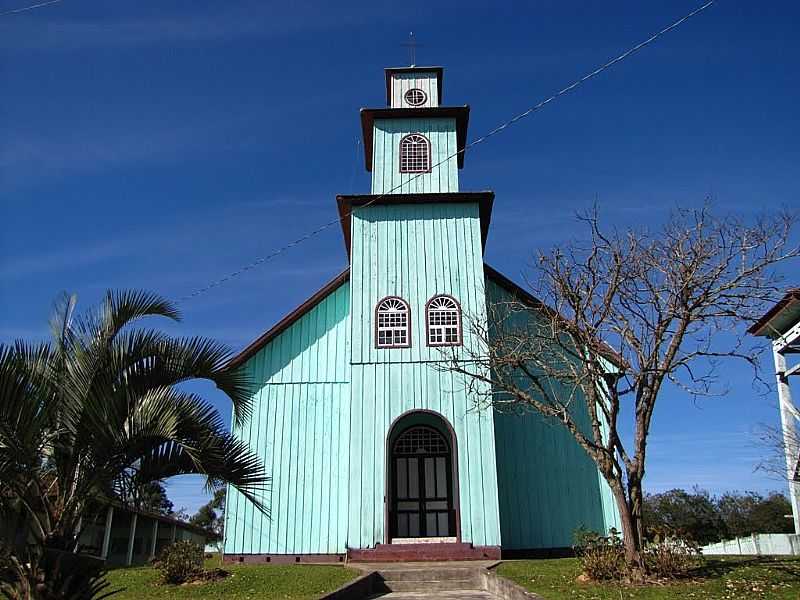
(27, 8)
(536, 107)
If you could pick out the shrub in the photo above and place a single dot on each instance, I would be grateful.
(667, 554)
(180, 562)
(670, 554)
(602, 558)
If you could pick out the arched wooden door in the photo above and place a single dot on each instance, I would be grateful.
(421, 485)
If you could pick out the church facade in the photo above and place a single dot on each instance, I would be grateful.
(371, 448)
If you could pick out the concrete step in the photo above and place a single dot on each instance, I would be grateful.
(432, 585)
(429, 572)
(445, 551)
(449, 595)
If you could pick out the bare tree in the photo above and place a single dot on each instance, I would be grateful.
(612, 319)
(775, 442)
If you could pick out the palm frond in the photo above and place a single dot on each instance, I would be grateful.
(101, 409)
(61, 317)
(121, 308)
(145, 360)
(225, 460)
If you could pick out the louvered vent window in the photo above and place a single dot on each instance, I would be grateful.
(444, 322)
(415, 154)
(392, 325)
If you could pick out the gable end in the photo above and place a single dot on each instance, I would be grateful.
(265, 338)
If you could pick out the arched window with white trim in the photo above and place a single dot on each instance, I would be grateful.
(392, 323)
(443, 320)
(415, 154)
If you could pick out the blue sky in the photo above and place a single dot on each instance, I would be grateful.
(161, 145)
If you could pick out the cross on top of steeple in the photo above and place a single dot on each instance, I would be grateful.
(412, 45)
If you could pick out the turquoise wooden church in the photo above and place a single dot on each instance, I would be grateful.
(371, 449)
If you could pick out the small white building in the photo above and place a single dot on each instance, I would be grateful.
(781, 324)
(120, 535)
(124, 536)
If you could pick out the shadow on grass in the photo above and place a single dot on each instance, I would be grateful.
(714, 568)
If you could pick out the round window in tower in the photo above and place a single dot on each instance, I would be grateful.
(415, 97)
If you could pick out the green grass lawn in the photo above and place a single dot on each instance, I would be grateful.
(728, 578)
(285, 582)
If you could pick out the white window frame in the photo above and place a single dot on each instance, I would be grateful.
(443, 321)
(392, 323)
(418, 163)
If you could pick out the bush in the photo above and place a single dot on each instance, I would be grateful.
(180, 562)
(666, 555)
(602, 558)
(669, 554)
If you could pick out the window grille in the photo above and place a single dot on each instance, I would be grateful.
(392, 324)
(415, 154)
(415, 97)
(421, 440)
(444, 322)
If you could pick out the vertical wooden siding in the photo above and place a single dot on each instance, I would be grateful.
(402, 82)
(548, 486)
(415, 252)
(386, 173)
(381, 393)
(300, 427)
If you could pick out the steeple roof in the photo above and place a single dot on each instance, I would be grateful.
(459, 113)
(346, 204)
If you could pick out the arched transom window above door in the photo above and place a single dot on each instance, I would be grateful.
(443, 319)
(415, 154)
(421, 440)
(392, 323)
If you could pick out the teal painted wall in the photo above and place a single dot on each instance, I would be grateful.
(548, 486)
(415, 251)
(381, 393)
(386, 158)
(300, 427)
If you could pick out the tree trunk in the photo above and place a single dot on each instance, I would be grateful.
(631, 520)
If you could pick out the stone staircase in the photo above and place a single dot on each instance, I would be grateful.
(449, 551)
(432, 580)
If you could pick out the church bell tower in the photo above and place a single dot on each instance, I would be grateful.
(415, 145)
(417, 287)
(416, 236)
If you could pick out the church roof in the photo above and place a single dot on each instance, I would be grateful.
(778, 319)
(265, 338)
(493, 274)
(459, 113)
(485, 201)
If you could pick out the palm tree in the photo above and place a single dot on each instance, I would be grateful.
(100, 412)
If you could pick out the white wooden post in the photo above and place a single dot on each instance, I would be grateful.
(174, 532)
(155, 537)
(107, 532)
(129, 560)
(788, 425)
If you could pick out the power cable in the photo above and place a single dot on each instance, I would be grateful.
(27, 8)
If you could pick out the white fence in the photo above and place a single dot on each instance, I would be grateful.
(771, 544)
